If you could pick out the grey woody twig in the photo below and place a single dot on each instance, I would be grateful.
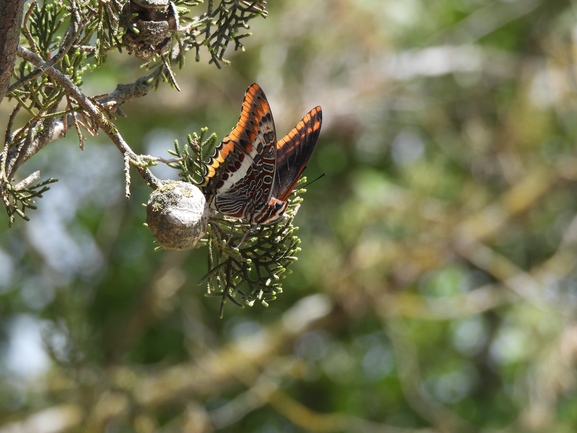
(96, 115)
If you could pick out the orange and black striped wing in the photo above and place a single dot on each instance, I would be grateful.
(294, 151)
(240, 175)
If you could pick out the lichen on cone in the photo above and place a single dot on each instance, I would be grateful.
(177, 214)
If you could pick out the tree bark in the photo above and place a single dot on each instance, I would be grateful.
(10, 22)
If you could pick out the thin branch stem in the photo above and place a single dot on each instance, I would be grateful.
(95, 114)
(70, 37)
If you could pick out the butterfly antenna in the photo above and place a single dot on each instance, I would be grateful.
(313, 181)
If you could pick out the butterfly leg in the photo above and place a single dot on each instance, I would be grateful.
(231, 232)
(252, 229)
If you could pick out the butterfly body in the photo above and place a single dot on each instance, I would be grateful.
(251, 175)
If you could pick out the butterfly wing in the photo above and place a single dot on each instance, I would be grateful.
(240, 175)
(294, 152)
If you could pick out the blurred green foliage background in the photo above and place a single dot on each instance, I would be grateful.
(436, 289)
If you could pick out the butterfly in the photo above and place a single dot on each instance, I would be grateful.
(251, 175)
